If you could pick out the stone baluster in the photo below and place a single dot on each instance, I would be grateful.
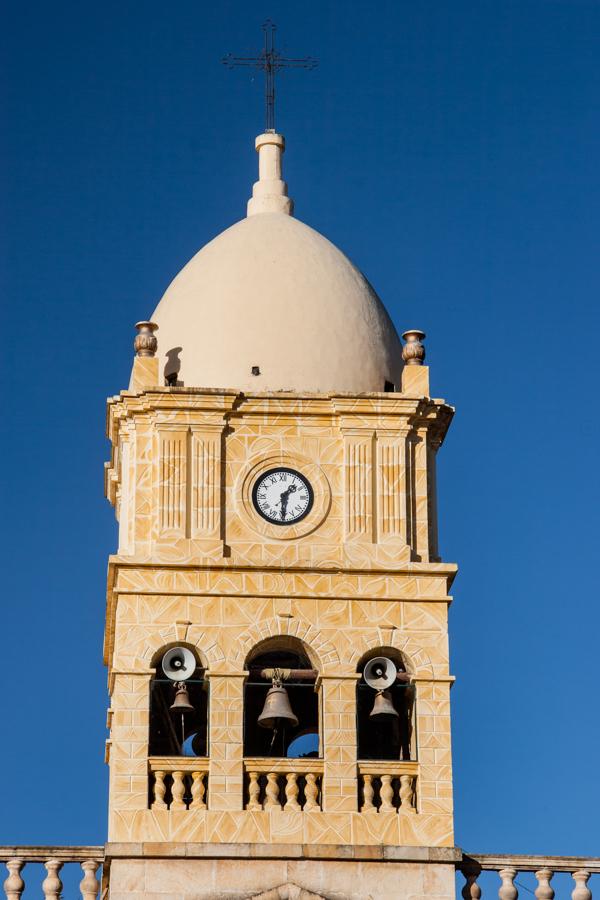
(52, 885)
(543, 891)
(387, 794)
(471, 890)
(272, 792)
(178, 791)
(507, 889)
(159, 791)
(198, 790)
(253, 792)
(311, 793)
(407, 794)
(368, 794)
(581, 891)
(90, 885)
(14, 884)
(291, 793)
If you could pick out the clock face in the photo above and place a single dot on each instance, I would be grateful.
(282, 496)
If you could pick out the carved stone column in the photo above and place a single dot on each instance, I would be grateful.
(581, 891)
(52, 885)
(543, 891)
(90, 885)
(14, 884)
(507, 889)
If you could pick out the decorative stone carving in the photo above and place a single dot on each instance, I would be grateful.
(145, 343)
(272, 792)
(52, 885)
(14, 884)
(387, 794)
(291, 793)
(160, 790)
(178, 791)
(543, 891)
(407, 794)
(311, 793)
(90, 885)
(581, 891)
(507, 889)
(471, 890)
(253, 792)
(288, 892)
(368, 794)
(413, 352)
(198, 790)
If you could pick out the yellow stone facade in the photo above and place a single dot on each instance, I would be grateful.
(197, 566)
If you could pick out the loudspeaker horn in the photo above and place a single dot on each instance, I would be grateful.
(179, 664)
(380, 673)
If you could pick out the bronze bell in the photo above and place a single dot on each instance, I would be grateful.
(383, 706)
(181, 703)
(277, 706)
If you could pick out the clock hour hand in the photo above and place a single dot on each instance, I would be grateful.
(284, 497)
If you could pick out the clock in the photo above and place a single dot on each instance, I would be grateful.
(282, 496)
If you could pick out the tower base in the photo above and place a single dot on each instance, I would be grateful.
(179, 871)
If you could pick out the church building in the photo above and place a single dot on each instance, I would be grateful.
(276, 625)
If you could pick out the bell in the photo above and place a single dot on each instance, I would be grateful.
(181, 703)
(383, 706)
(277, 706)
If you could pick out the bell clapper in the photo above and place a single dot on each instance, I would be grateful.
(181, 704)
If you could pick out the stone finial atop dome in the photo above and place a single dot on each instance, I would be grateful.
(269, 193)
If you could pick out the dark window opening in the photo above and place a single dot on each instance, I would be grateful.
(389, 387)
(389, 737)
(174, 733)
(287, 738)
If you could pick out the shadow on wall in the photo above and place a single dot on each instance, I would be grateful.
(173, 367)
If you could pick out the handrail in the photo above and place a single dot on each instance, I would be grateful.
(38, 853)
(300, 765)
(180, 763)
(525, 863)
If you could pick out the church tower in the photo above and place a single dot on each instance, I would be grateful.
(273, 475)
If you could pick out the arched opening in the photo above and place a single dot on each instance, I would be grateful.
(385, 718)
(178, 708)
(288, 725)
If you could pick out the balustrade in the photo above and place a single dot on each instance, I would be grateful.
(544, 868)
(387, 787)
(290, 784)
(178, 782)
(53, 859)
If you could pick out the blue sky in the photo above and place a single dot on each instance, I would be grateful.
(450, 148)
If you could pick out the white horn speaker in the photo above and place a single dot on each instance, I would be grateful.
(380, 673)
(179, 664)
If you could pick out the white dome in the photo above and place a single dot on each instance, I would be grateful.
(272, 293)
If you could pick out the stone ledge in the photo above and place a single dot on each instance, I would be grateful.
(381, 852)
(36, 853)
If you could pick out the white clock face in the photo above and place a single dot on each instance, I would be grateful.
(282, 496)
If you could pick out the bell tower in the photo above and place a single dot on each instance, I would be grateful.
(276, 627)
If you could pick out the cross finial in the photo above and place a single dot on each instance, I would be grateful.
(270, 61)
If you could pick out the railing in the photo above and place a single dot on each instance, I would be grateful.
(178, 782)
(53, 859)
(387, 787)
(544, 868)
(290, 784)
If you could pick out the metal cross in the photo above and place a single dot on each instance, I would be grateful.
(270, 61)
